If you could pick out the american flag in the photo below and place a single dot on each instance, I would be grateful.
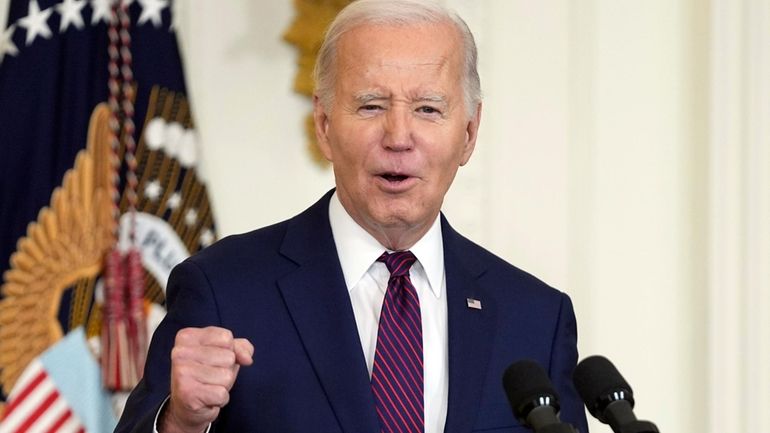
(50, 397)
(36, 405)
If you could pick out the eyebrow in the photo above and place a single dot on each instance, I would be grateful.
(432, 98)
(366, 97)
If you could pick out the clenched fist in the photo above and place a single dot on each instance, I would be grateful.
(204, 365)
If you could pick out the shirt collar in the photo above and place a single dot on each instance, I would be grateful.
(357, 249)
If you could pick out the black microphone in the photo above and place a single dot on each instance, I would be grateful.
(608, 396)
(533, 399)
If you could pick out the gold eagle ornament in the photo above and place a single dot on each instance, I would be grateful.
(67, 243)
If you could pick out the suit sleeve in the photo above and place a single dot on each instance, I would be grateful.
(191, 303)
(564, 357)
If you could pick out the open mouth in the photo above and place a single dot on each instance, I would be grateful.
(393, 177)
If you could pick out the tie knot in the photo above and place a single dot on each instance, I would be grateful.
(398, 263)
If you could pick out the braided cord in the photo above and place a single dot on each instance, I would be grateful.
(124, 333)
(113, 84)
(127, 106)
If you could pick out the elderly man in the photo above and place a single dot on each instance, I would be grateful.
(367, 312)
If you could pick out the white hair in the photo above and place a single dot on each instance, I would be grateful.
(396, 13)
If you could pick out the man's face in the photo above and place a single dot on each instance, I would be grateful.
(398, 128)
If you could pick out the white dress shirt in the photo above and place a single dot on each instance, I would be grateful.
(367, 281)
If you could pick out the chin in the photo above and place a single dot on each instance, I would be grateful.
(398, 212)
(396, 220)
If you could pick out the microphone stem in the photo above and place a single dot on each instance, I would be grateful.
(557, 428)
(639, 427)
(619, 413)
(543, 419)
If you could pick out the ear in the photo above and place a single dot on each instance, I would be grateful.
(471, 133)
(321, 121)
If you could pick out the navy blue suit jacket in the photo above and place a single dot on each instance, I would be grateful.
(282, 288)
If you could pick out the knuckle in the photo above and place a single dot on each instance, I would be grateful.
(244, 346)
(222, 395)
(229, 357)
(184, 336)
(220, 336)
(177, 353)
(229, 376)
(190, 373)
(182, 371)
(225, 335)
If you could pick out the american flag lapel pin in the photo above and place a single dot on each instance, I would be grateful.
(473, 303)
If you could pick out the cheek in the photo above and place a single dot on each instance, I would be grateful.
(447, 159)
(355, 145)
(350, 166)
(444, 167)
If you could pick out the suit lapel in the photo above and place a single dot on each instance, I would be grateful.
(471, 331)
(318, 301)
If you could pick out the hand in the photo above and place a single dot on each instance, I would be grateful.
(204, 365)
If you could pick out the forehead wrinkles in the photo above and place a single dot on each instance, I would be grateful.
(396, 66)
(366, 80)
(408, 43)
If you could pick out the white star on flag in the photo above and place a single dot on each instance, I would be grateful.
(70, 14)
(174, 201)
(206, 238)
(102, 11)
(151, 10)
(191, 217)
(153, 190)
(6, 43)
(36, 22)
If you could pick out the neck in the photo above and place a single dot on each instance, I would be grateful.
(398, 239)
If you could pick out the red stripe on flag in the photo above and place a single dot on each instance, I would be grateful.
(41, 408)
(60, 421)
(21, 396)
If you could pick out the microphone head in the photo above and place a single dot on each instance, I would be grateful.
(599, 383)
(527, 386)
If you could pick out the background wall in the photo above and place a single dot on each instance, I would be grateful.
(611, 163)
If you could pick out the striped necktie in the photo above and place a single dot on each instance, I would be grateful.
(397, 372)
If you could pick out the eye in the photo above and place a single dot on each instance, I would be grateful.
(370, 108)
(427, 109)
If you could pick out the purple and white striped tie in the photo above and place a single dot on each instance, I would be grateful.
(397, 373)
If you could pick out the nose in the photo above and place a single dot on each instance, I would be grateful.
(398, 130)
